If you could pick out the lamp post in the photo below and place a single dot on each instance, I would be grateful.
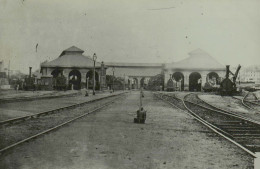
(94, 80)
(113, 69)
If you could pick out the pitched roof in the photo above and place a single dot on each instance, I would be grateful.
(198, 59)
(73, 49)
(72, 57)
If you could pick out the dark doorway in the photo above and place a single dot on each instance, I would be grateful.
(179, 78)
(75, 79)
(135, 84)
(143, 83)
(195, 81)
(213, 78)
(55, 73)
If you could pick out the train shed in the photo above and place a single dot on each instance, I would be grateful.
(194, 71)
(75, 67)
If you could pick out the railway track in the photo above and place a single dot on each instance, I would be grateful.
(252, 104)
(20, 99)
(241, 131)
(20, 119)
(58, 124)
(241, 102)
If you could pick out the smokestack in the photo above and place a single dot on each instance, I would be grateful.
(30, 71)
(227, 71)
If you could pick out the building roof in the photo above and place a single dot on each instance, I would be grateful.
(198, 59)
(73, 49)
(118, 64)
(252, 68)
(72, 57)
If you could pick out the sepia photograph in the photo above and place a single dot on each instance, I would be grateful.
(129, 84)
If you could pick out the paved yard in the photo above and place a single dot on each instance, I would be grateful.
(109, 139)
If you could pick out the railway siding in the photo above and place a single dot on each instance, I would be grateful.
(19, 131)
(230, 104)
(109, 139)
(37, 95)
(24, 108)
(239, 130)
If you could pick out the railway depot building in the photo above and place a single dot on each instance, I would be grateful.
(189, 74)
(75, 67)
(192, 73)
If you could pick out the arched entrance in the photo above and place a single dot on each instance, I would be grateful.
(75, 79)
(179, 78)
(212, 78)
(55, 73)
(59, 80)
(135, 83)
(195, 81)
(144, 82)
(89, 75)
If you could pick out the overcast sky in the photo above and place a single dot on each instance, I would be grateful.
(129, 30)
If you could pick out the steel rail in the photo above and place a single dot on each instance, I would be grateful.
(21, 99)
(54, 110)
(220, 133)
(242, 102)
(249, 101)
(211, 126)
(56, 127)
(198, 117)
(252, 102)
(220, 110)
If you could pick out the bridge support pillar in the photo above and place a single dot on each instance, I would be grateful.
(203, 80)
(139, 82)
(186, 81)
